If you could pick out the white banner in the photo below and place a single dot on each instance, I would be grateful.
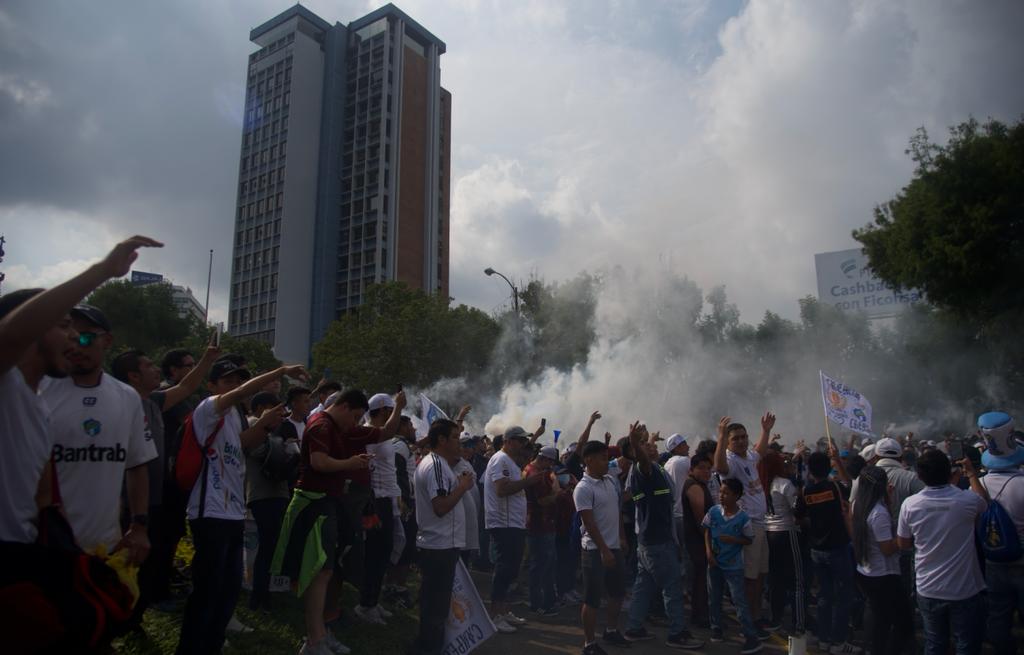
(468, 624)
(845, 406)
(846, 283)
(430, 412)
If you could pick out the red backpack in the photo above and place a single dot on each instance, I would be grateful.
(191, 459)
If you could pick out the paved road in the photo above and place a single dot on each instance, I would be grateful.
(563, 634)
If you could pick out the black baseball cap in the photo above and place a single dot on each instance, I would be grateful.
(225, 366)
(91, 314)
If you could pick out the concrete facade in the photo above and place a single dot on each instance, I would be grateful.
(343, 175)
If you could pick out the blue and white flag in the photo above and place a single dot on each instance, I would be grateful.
(557, 433)
(430, 412)
(845, 406)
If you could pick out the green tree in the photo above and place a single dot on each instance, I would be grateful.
(142, 317)
(956, 231)
(405, 336)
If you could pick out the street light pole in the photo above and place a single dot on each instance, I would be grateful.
(515, 292)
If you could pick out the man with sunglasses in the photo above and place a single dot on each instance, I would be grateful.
(36, 337)
(99, 442)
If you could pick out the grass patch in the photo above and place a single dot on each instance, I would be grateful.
(280, 630)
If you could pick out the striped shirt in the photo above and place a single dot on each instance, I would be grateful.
(435, 478)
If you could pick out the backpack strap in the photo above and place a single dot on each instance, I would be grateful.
(1001, 489)
(206, 463)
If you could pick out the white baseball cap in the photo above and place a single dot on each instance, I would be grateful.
(888, 447)
(380, 400)
(674, 442)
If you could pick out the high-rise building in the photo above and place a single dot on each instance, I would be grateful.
(344, 172)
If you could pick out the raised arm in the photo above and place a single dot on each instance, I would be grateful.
(585, 435)
(191, 382)
(395, 420)
(637, 433)
(767, 423)
(37, 315)
(228, 400)
(721, 463)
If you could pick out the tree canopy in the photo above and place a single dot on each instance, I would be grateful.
(956, 231)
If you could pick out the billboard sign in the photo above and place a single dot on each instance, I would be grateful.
(846, 283)
(140, 278)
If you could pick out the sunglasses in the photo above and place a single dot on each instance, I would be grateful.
(85, 339)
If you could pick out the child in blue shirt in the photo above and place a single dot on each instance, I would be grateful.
(727, 529)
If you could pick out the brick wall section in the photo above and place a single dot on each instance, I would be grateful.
(412, 163)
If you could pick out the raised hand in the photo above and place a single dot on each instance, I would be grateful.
(595, 417)
(768, 421)
(723, 424)
(400, 401)
(119, 260)
(463, 413)
(296, 371)
(607, 438)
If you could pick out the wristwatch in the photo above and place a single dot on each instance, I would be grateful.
(140, 519)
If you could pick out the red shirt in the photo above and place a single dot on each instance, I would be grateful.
(540, 519)
(323, 435)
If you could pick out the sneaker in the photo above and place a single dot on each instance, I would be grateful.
(684, 640)
(384, 614)
(845, 648)
(234, 625)
(615, 638)
(770, 626)
(638, 634)
(823, 646)
(594, 649)
(502, 626)
(575, 597)
(512, 619)
(335, 645)
(550, 611)
(308, 648)
(368, 615)
(716, 635)
(762, 634)
(751, 645)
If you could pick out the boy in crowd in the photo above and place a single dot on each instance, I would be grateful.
(822, 503)
(727, 529)
(598, 497)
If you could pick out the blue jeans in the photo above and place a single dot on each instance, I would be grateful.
(834, 570)
(542, 570)
(964, 618)
(1005, 594)
(717, 579)
(657, 567)
(508, 544)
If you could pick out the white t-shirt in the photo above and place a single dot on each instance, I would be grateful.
(98, 433)
(300, 427)
(508, 511)
(879, 529)
(383, 478)
(678, 468)
(784, 495)
(744, 469)
(225, 470)
(470, 502)
(941, 522)
(604, 498)
(24, 429)
(1011, 495)
(402, 448)
(435, 478)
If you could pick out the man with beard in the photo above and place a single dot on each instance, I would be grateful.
(36, 337)
(99, 441)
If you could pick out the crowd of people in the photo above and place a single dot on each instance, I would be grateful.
(127, 459)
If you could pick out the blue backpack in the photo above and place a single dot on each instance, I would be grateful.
(997, 532)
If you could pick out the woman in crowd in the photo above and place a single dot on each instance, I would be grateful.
(786, 562)
(878, 563)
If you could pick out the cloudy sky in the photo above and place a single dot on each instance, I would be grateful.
(723, 139)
